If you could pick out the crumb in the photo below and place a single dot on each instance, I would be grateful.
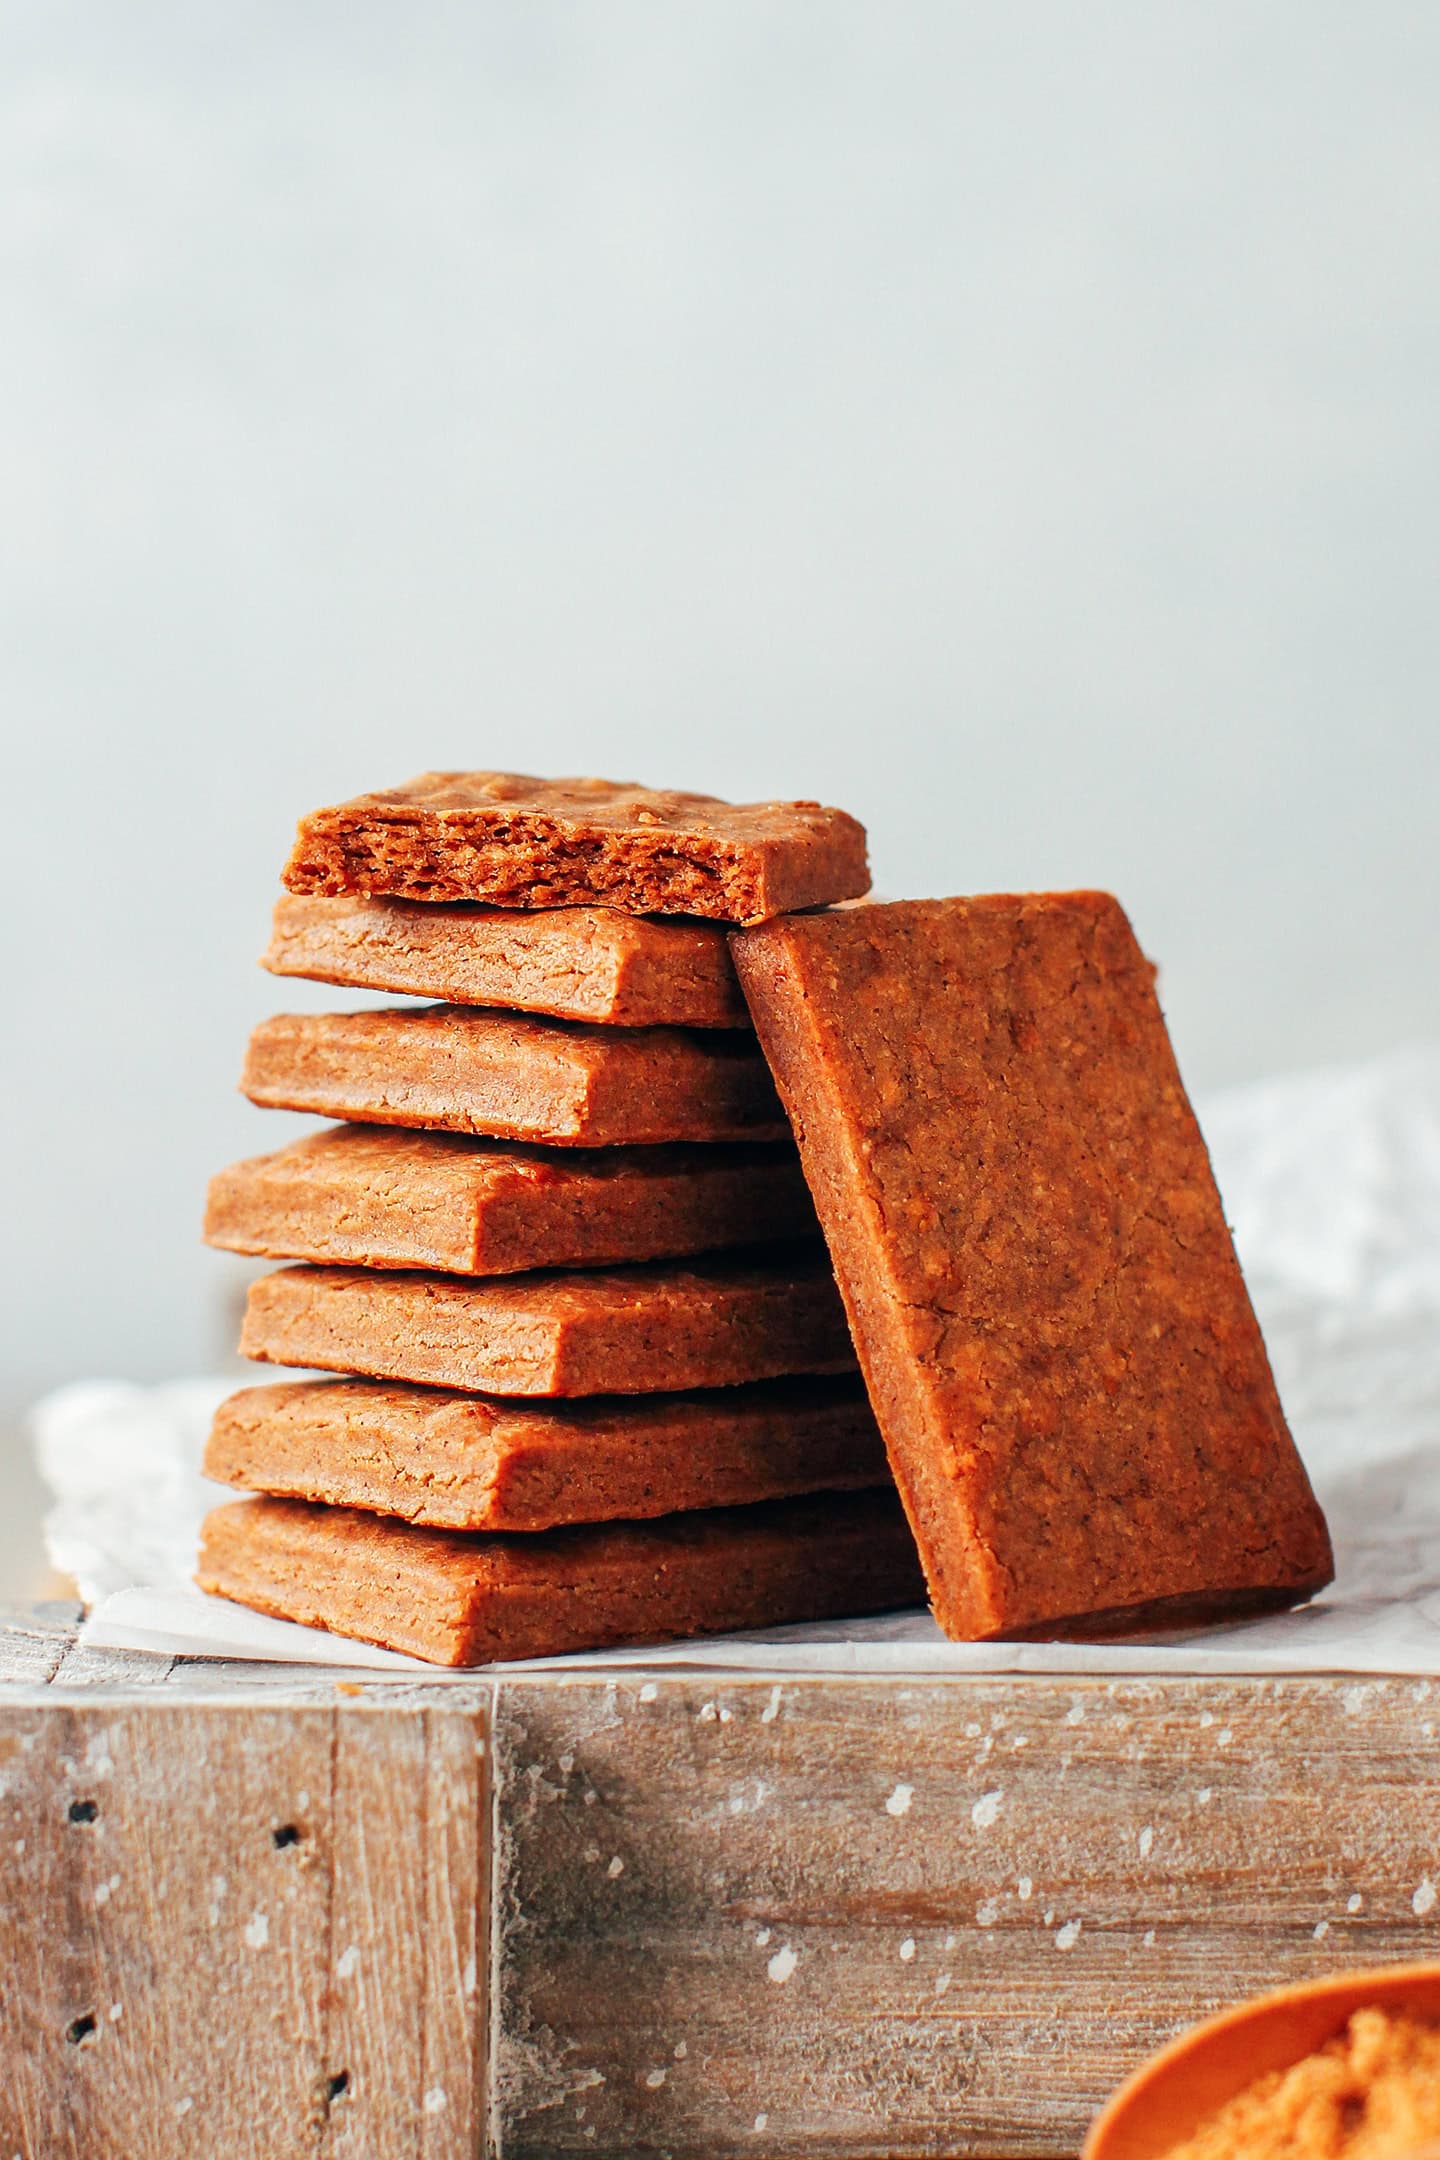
(1371, 2094)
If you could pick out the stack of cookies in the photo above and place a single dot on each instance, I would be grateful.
(598, 1435)
(598, 1382)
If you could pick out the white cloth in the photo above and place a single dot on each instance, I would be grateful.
(1332, 1183)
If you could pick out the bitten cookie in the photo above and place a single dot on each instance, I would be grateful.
(521, 842)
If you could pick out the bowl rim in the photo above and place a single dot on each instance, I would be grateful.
(1118, 2131)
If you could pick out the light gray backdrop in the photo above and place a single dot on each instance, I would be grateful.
(1014, 420)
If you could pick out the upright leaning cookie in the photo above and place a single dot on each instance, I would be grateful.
(520, 842)
(1049, 1313)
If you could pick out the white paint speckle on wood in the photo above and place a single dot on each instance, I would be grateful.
(772, 1709)
(654, 2079)
(1353, 1904)
(987, 1912)
(828, 1779)
(762, 1938)
(1067, 1936)
(1205, 1795)
(907, 1949)
(899, 1800)
(761, 2120)
(680, 2051)
(985, 1810)
(1423, 1901)
(649, 1691)
(348, 1962)
(942, 1983)
(1321, 1930)
(257, 1930)
(782, 1964)
(1024, 1889)
(707, 1713)
(1147, 1841)
(436, 2100)
(616, 1867)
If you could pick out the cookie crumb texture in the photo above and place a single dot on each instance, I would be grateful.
(581, 963)
(472, 1462)
(713, 1322)
(521, 842)
(459, 1600)
(1372, 2094)
(1040, 1282)
(379, 1196)
(514, 1076)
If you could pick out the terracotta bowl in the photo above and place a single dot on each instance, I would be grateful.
(1168, 2099)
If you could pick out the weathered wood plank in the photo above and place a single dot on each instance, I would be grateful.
(376, 1920)
(175, 1872)
(939, 1917)
(181, 1885)
(114, 1670)
(825, 1916)
(408, 1947)
(456, 1937)
(33, 1643)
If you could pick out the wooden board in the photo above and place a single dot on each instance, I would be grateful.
(239, 1919)
(664, 1912)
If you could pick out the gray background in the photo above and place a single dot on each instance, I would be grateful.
(1013, 421)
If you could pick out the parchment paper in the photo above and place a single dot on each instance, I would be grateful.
(1332, 1182)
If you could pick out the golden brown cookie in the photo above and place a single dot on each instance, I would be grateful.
(1048, 1309)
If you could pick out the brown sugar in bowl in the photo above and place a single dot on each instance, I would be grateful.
(1170, 2097)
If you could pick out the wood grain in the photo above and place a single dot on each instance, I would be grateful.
(225, 1923)
(937, 1917)
(668, 1912)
